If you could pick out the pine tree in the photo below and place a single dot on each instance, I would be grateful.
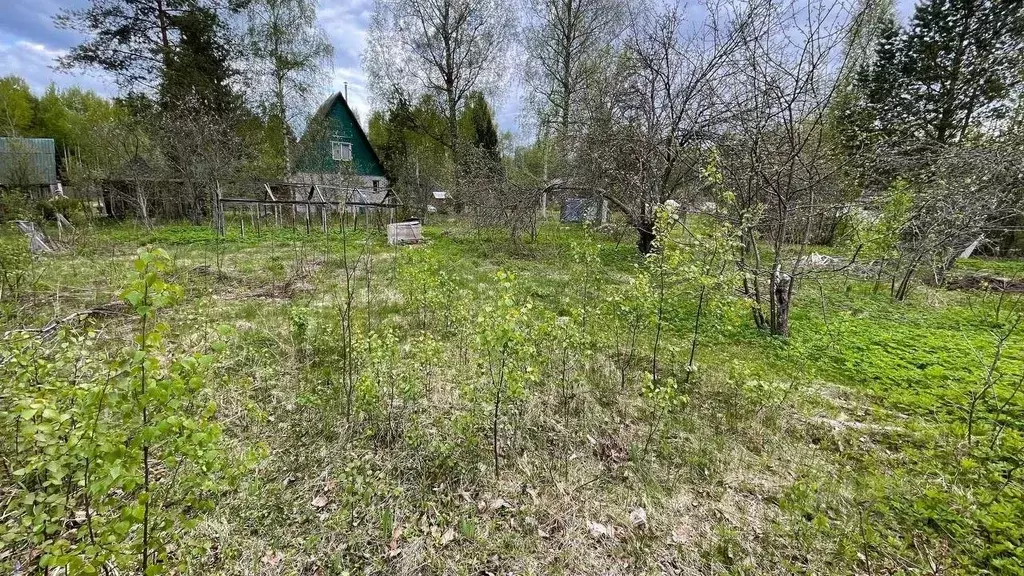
(962, 61)
(479, 127)
(168, 48)
(200, 66)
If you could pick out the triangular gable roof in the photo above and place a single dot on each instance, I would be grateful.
(325, 109)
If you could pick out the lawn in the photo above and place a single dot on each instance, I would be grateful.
(476, 406)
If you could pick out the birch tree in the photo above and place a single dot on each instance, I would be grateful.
(566, 42)
(442, 48)
(289, 53)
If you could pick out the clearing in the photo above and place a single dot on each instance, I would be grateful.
(362, 396)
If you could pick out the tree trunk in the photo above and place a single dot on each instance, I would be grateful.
(645, 237)
(781, 294)
(141, 199)
(279, 94)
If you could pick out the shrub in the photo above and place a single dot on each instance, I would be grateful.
(109, 461)
(13, 205)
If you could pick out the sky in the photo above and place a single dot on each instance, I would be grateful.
(29, 43)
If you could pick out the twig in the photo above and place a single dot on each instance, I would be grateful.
(48, 329)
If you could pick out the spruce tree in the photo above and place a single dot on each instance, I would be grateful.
(479, 126)
(200, 66)
(867, 107)
(962, 61)
(884, 84)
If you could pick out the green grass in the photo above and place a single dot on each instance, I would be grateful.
(838, 450)
(1001, 267)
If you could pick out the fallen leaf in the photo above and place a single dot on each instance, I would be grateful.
(447, 537)
(393, 545)
(597, 530)
(272, 558)
(638, 517)
(319, 502)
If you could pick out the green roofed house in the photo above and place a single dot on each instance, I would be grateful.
(336, 151)
(29, 164)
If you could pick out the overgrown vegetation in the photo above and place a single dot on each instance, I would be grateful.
(560, 406)
(810, 362)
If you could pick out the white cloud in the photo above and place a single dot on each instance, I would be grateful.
(41, 49)
(36, 61)
(358, 94)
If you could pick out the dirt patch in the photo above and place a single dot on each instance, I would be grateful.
(986, 283)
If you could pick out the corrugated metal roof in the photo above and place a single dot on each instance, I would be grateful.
(30, 161)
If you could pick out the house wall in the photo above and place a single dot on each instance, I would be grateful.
(340, 125)
(343, 180)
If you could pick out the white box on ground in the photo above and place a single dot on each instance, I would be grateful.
(405, 232)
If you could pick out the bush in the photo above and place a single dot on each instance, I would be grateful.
(109, 461)
(15, 264)
(13, 205)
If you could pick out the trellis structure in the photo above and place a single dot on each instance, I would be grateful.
(304, 201)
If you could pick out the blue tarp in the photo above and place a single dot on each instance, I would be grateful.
(580, 210)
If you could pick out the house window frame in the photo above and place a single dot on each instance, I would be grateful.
(341, 151)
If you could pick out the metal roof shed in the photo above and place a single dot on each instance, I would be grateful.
(28, 162)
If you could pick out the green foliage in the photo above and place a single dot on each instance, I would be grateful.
(409, 137)
(838, 450)
(14, 205)
(435, 292)
(879, 236)
(15, 265)
(912, 89)
(16, 106)
(584, 277)
(388, 388)
(477, 128)
(73, 118)
(111, 455)
(300, 327)
(201, 64)
(630, 309)
(506, 345)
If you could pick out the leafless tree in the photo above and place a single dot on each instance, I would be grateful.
(958, 196)
(289, 52)
(201, 151)
(659, 109)
(441, 48)
(776, 156)
(500, 194)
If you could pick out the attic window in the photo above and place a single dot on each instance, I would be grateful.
(341, 151)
